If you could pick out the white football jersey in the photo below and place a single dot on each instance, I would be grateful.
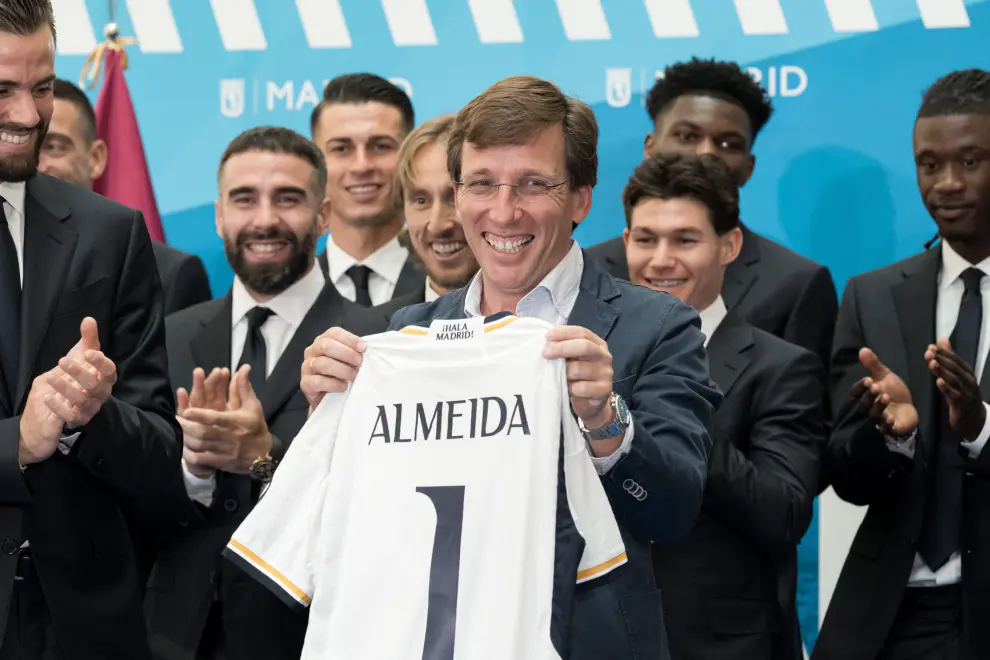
(443, 508)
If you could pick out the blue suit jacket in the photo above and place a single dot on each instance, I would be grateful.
(661, 370)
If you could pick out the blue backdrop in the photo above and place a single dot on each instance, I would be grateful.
(834, 179)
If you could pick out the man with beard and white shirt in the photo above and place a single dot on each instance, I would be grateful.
(87, 419)
(235, 362)
(433, 234)
(73, 152)
(360, 125)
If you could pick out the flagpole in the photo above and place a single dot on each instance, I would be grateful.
(92, 68)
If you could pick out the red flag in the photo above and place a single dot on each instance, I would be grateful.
(126, 178)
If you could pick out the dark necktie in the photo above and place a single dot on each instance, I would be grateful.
(10, 310)
(255, 352)
(359, 275)
(943, 508)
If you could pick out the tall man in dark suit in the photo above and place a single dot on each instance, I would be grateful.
(709, 107)
(433, 233)
(720, 584)
(359, 125)
(236, 363)
(73, 152)
(87, 420)
(524, 157)
(909, 386)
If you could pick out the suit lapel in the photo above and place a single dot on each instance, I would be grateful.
(592, 309)
(284, 379)
(211, 346)
(410, 278)
(48, 248)
(727, 352)
(741, 274)
(914, 299)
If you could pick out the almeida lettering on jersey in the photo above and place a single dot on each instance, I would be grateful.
(482, 417)
(442, 507)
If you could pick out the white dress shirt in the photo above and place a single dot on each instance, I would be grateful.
(289, 309)
(950, 293)
(430, 293)
(552, 301)
(711, 318)
(385, 263)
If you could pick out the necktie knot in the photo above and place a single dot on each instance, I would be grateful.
(359, 275)
(972, 277)
(257, 316)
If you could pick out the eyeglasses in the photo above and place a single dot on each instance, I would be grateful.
(487, 189)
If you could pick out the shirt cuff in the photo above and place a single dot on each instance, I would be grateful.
(976, 446)
(66, 442)
(903, 446)
(605, 463)
(199, 489)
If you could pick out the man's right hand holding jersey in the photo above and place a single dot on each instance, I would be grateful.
(330, 363)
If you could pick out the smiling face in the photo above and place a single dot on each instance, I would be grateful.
(519, 239)
(671, 246)
(27, 75)
(952, 157)
(360, 142)
(269, 217)
(431, 216)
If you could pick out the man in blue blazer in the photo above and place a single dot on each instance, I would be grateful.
(524, 160)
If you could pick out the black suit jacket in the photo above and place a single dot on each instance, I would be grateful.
(85, 255)
(184, 279)
(771, 286)
(892, 311)
(661, 371)
(721, 582)
(182, 585)
(411, 278)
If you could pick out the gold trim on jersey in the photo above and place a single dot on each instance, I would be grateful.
(272, 572)
(489, 327)
(601, 568)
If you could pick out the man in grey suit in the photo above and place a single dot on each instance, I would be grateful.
(524, 160)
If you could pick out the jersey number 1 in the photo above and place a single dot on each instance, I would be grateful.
(441, 613)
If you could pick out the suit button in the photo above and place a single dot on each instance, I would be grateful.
(230, 505)
(629, 485)
(9, 546)
(184, 522)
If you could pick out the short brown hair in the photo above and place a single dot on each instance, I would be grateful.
(431, 131)
(513, 110)
(25, 17)
(704, 178)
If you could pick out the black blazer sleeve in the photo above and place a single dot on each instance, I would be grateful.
(767, 493)
(134, 443)
(673, 402)
(189, 285)
(858, 464)
(811, 324)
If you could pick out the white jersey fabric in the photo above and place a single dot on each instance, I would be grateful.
(443, 508)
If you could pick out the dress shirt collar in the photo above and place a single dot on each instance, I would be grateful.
(711, 317)
(291, 305)
(14, 194)
(387, 261)
(562, 284)
(953, 265)
(429, 294)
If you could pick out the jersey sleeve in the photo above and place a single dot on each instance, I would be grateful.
(278, 542)
(604, 549)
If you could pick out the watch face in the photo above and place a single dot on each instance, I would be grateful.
(263, 470)
(621, 410)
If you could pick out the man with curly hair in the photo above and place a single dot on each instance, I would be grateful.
(713, 107)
